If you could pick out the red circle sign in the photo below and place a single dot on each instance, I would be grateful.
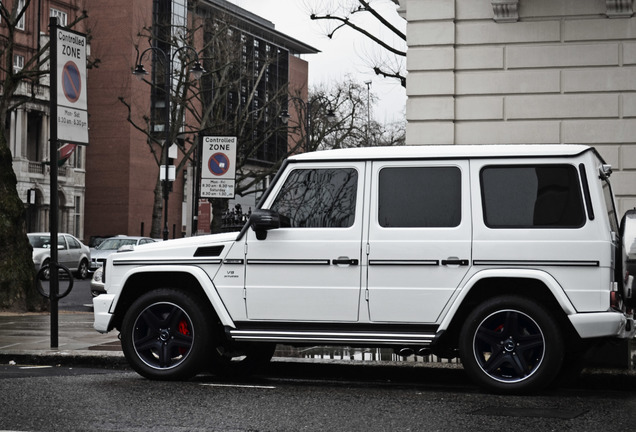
(218, 164)
(71, 82)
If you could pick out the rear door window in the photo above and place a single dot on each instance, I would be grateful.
(536, 196)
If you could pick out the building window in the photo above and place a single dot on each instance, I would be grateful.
(62, 17)
(20, 24)
(78, 216)
(18, 63)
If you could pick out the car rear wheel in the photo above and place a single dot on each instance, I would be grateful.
(165, 335)
(510, 344)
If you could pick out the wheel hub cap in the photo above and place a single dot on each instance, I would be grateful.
(509, 345)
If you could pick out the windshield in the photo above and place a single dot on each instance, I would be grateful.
(115, 243)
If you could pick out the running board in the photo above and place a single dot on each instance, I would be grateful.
(340, 338)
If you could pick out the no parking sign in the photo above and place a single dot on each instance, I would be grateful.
(72, 115)
(218, 168)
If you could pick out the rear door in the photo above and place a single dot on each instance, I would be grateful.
(419, 244)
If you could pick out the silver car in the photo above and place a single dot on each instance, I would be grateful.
(71, 253)
(112, 245)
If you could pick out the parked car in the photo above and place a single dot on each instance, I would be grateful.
(505, 256)
(112, 245)
(71, 253)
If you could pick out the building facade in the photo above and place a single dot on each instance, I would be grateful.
(28, 124)
(525, 71)
(122, 171)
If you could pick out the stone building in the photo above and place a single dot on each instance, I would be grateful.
(525, 71)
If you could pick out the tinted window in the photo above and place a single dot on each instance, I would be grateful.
(420, 197)
(319, 198)
(532, 196)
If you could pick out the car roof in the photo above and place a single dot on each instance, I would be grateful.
(445, 152)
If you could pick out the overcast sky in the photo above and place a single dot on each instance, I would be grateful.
(347, 53)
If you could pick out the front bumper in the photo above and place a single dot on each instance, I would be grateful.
(103, 316)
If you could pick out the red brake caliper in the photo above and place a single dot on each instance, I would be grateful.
(183, 329)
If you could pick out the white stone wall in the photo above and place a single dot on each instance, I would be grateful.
(525, 71)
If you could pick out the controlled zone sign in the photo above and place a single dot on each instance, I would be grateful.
(72, 115)
(218, 170)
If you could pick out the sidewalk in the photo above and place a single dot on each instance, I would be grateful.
(26, 338)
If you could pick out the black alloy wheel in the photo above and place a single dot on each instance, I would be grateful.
(165, 335)
(511, 345)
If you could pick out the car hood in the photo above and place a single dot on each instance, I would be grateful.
(180, 249)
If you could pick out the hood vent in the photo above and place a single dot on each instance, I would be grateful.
(209, 251)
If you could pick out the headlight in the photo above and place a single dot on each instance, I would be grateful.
(99, 273)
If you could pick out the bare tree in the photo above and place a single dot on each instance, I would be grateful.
(342, 14)
(236, 97)
(18, 86)
(339, 117)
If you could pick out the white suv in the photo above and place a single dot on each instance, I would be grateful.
(506, 256)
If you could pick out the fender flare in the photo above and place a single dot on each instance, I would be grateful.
(509, 273)
(197, 272)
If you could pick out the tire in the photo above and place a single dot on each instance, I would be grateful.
(511, 345)
(240, 359)
(82, 271)
(46, 274)
(165, 335)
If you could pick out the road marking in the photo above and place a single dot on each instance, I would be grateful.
(35, 367)
(9, 346)
(238, 386)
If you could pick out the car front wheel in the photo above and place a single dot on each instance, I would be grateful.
(165, 335)
(510, 344)
(82, 271)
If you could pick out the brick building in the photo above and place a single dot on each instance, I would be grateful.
(121, 171)
(525, 71)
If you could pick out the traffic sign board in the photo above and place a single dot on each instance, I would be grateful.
(217, 176)
(70, 79)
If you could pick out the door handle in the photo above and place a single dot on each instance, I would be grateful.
(344, 261)
(455, 261)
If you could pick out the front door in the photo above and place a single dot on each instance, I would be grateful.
(309, 269)
(419, 245)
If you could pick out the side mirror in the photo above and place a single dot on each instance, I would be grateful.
(262, 220)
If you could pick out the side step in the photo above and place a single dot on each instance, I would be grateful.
(334, 337)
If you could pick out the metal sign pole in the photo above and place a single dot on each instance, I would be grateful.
(54, 208)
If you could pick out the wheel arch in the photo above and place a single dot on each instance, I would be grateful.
(189, 279)
(533, 285)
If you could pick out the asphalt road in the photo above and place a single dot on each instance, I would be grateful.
(301, 396)
(79, 299)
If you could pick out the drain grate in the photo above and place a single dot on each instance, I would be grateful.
(530, 412)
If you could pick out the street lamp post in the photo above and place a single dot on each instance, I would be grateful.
(308, 106)
(196, 71)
